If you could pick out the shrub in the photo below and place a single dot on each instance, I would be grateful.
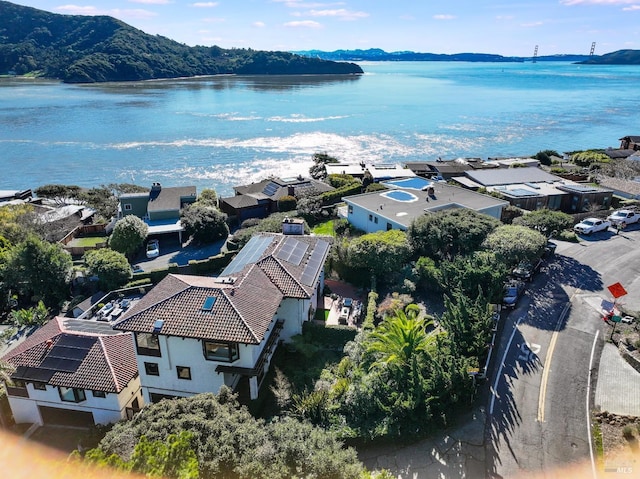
(287, 203)
(627, 432)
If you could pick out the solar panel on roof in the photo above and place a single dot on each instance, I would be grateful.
(66, 352)
(270, 189)
(315, 263)
(60, 364)
(34, 374)
(83, 342)
(249, 254)
(292, 251)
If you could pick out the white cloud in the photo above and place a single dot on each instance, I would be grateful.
(204, 4)
(303, 24)
(531, 24)
(298, 4)
(504, 17)
(259, 24)
(597, 2)
(116, 12)
(151, 2)
(340, 13)
(631, 8)
(214, 20)
(444, 17)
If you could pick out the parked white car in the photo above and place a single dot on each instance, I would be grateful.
(153, 249)
(591, 225)
(623, 217)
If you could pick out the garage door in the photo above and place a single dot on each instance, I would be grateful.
(65, 417)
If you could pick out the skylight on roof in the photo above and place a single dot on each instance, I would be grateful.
(208, 303)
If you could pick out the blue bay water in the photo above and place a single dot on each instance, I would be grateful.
(224, 131)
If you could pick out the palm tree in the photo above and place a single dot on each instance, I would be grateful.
(400, 342)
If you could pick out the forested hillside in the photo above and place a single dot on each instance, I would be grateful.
(82, 49)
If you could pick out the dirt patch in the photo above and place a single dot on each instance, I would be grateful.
(620, 440)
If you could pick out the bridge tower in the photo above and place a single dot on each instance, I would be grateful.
(535, 54)
(593, 48)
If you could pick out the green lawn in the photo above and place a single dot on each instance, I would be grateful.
(88, 241)
(325, 228)
(322, 314)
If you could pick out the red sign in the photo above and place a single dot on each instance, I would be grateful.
(617, 290)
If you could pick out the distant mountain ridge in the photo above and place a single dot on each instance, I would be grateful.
(622, 57)
(84, 49)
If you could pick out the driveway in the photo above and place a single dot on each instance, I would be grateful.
(171, 251)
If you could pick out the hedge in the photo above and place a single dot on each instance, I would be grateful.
(213, 264)
(335, 196)
(328, 336)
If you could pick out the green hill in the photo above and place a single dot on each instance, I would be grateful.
(620, 57)
(86, 49)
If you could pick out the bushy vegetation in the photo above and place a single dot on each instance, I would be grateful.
(203, 222)
(111, 268)
(128, 235)
(85, 49)
(225, 441)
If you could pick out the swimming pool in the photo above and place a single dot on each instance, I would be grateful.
(415, 183)
(399, 195)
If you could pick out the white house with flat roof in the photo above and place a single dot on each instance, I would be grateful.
(398, 207)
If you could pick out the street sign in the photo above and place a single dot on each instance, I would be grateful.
(617, 290)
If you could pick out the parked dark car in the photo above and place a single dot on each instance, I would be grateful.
(526, 270)
(512, 292)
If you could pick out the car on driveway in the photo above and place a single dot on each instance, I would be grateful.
(591, 225)
(153, 249)
(526, 270)
(512, 292)
(623, 217)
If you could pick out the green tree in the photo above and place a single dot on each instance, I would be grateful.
(379, 253)
(172, 458)
(111, 267)
(230, 443)
(479, 274)
(468, 322)
(30, 316)
(39, 269)
(589, 157)
(545, 221)
(204, 223)
(448, 233)
(544, 157)
(61, 194)
(514, 243)
(128, 235)
(318, 170)
(102, 200)
(209, 196)
(398, 342)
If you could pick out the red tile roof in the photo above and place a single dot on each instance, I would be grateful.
(105, 362)
(243, 309)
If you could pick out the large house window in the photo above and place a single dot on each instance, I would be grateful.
(99, 394)
(216, 351)
(151, 369)
(184, 372)
(350, 209)
(71, 394)
(128, 207)
(147, 344)
(40, 386)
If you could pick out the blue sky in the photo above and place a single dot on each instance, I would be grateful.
(504, 27)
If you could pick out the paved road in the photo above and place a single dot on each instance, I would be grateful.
(538, 413)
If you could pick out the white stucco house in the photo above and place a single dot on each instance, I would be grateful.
(194, 334)
(408, 199)
(75, 373)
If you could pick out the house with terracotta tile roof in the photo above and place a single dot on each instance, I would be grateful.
(194, 334)
(75, 373)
